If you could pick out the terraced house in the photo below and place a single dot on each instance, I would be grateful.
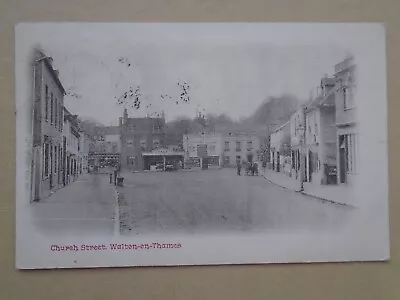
(320, 135)
(47, 107)
(346, 121)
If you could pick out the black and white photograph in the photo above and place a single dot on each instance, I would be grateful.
(152, 144)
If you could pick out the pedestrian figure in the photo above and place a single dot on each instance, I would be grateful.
(256, 169)
(239, 167)
(115, 174)
(253, 170)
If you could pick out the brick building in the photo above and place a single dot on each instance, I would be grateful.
(139, 135)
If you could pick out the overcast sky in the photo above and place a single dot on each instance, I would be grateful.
(230, 69)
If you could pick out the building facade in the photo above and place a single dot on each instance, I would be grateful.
(138, 135)
(71, 147)
(280, 153)
(346, 121)
(320, 135)
(85, 141)
(105, 146)
(48, 102)
(244, 147)
(297, 140)
(203, 150)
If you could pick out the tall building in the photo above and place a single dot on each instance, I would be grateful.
(139, 135)
(48, 103)
(71, 147)
(346, 121)
(297, 141)
(85, 141)
(280, 147)
(240, 147)
(320, 135)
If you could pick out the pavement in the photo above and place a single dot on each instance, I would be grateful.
(338, 194)
(219, 200)
(86, 206)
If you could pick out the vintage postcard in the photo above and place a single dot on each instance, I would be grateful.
(150, 144)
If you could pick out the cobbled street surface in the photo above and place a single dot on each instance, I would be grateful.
(219, 200)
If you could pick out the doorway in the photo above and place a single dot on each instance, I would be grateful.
(278, 162)
(310, 166)
(342, 159)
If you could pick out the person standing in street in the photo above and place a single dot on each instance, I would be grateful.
(115, 174)
(238, 167)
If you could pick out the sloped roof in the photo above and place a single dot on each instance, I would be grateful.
(320, 101)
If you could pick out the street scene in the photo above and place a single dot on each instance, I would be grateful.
(140, 150)
(218, 201)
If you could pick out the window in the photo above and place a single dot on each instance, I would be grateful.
(61, 117)
(351, 153)
(249, 145)
(51, 109)
(238, 146)
(238, 158)
(46, 103)
(156, 143)
(55, 159)
(156, 128)
(129, 143)
(56, 113)
(227, 146)
(50, 163)
(351, 150)
(46, 159)
(59, 164)
(345, 96)
(212, 147)
(143, 144)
